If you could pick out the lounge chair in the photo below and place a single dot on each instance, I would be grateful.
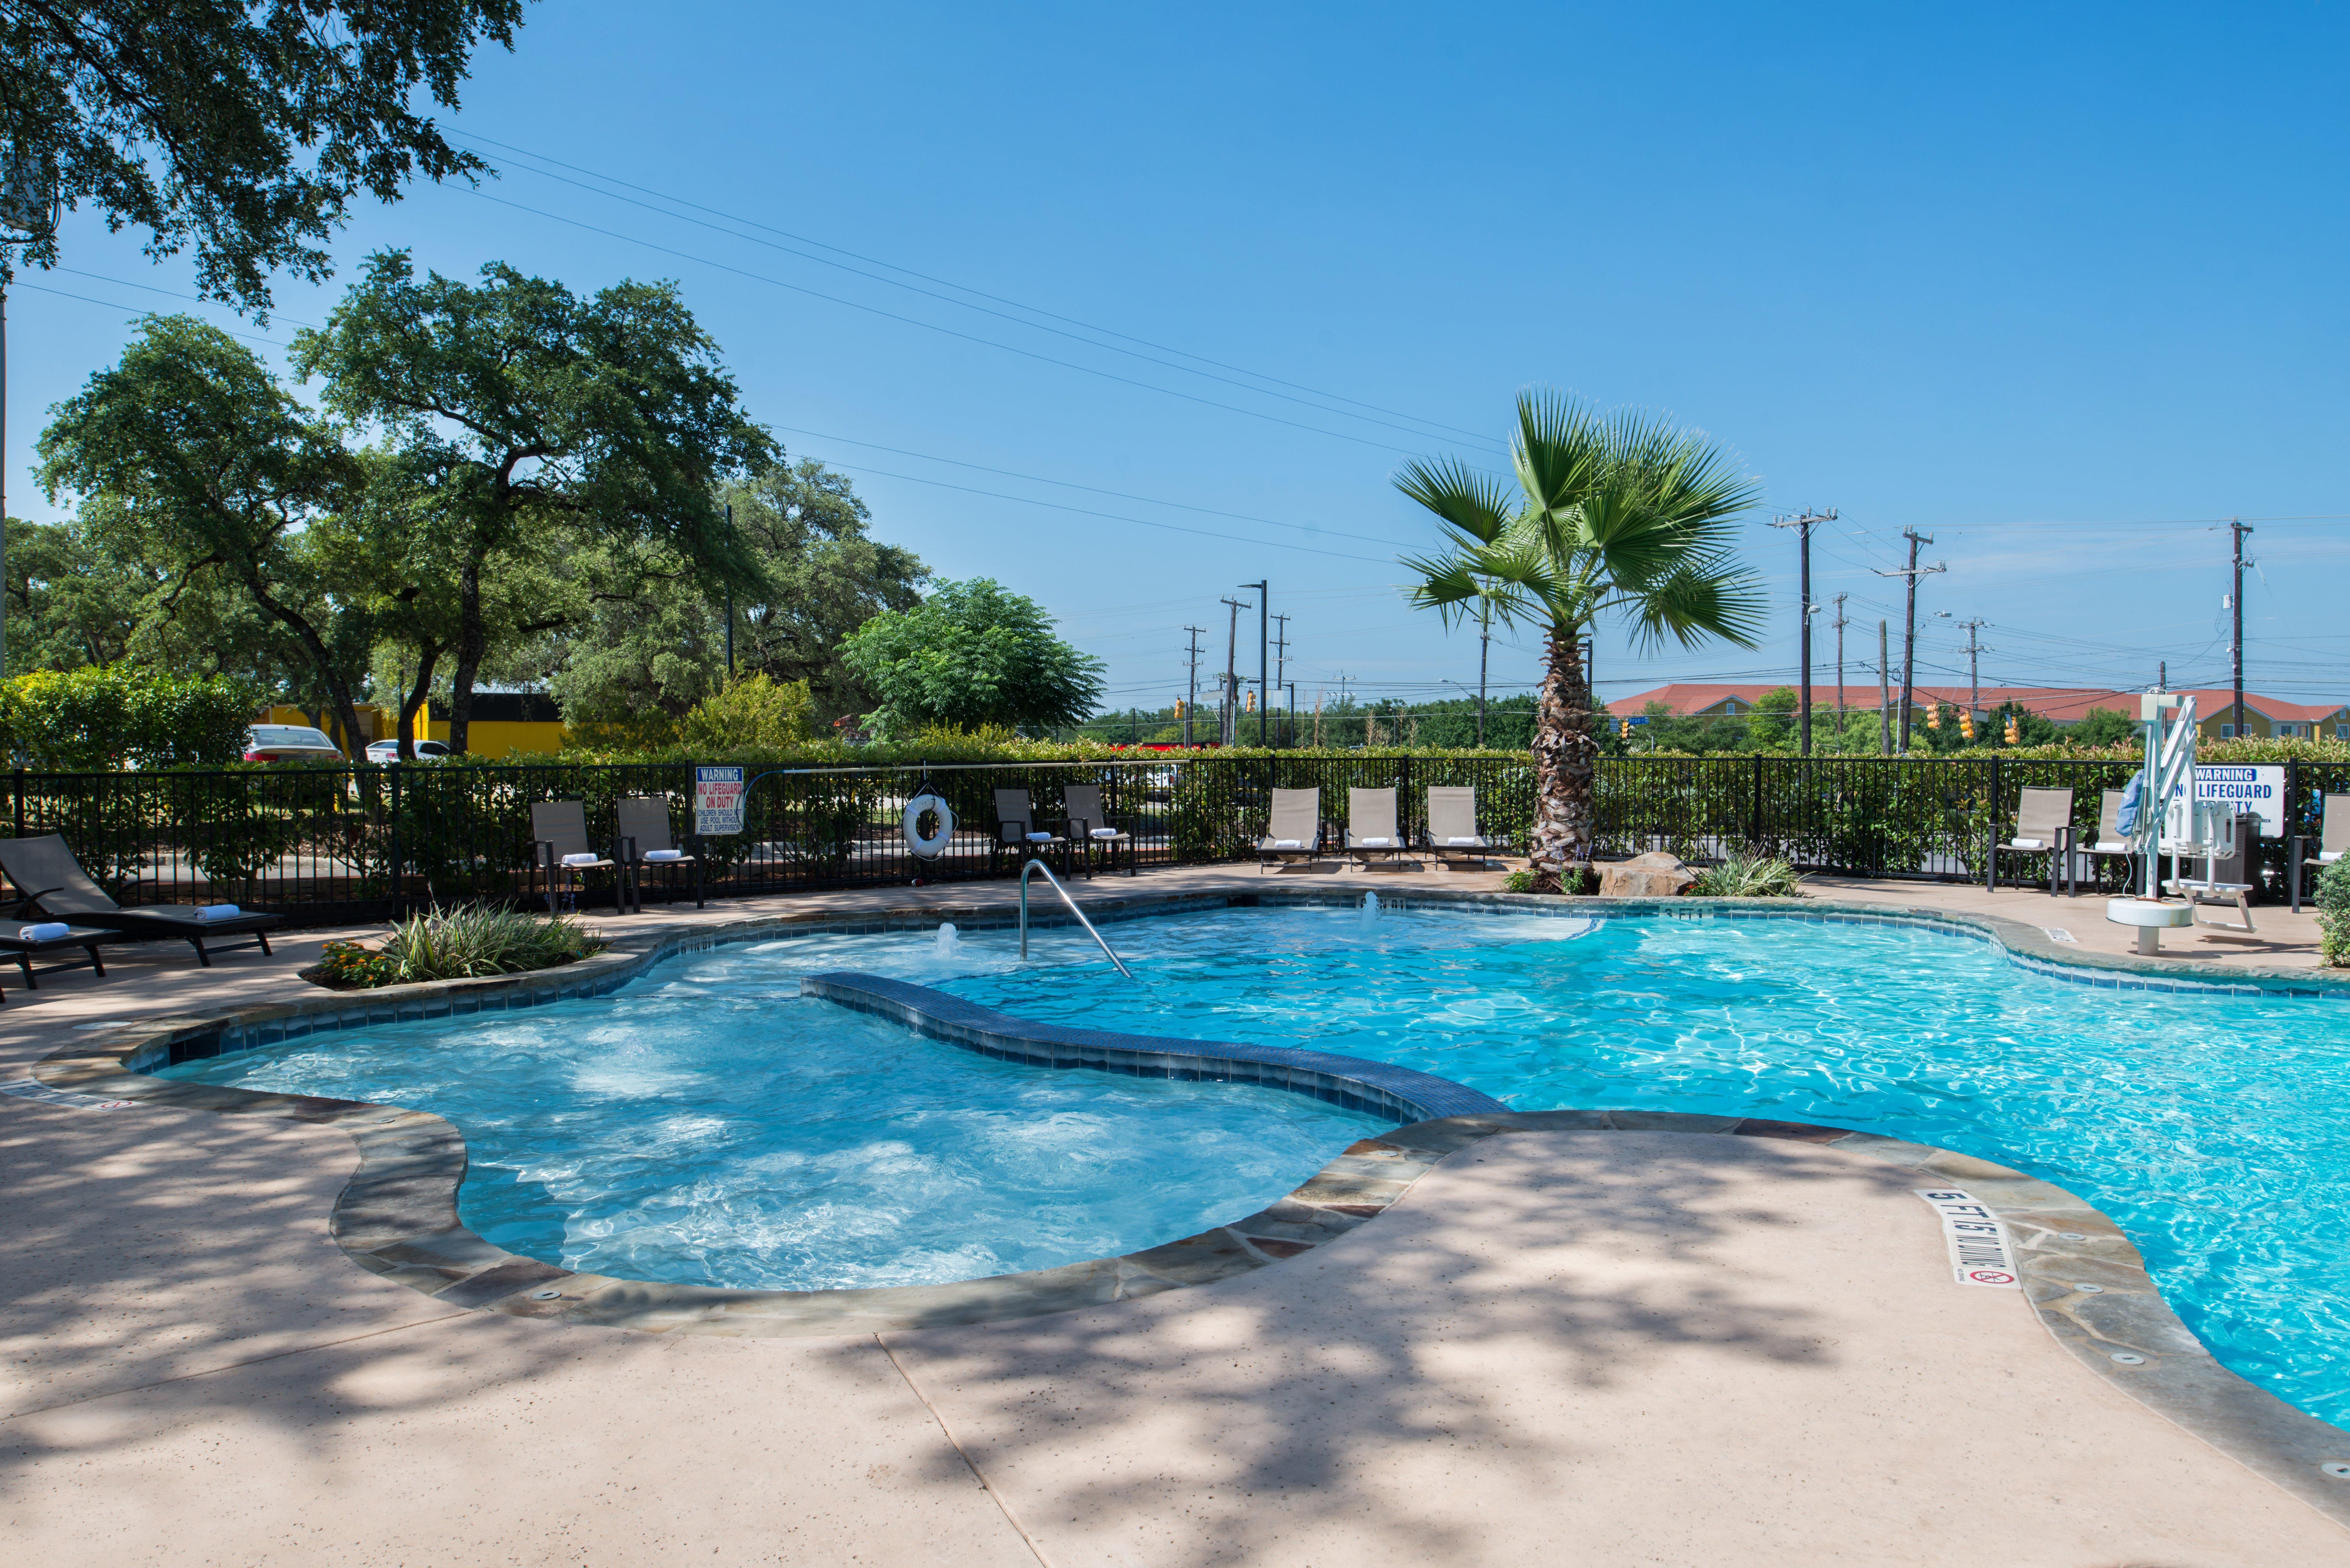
(1090, 829)
(2332, 842)
(1452, 833)
(645, 845)
(1371, 832)
(2109, 841)
(2044, 825)
(1293, 828)
(1017, 829)
(25, 950)
(559, 831)
(48, 878)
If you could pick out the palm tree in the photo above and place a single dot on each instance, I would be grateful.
(1620, 515)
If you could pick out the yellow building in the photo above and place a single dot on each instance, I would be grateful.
(504, 723)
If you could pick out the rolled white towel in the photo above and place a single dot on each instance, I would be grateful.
(1471, 842)
(47, 931)
(1289, 844)
(2026, 843)
(664, 853)
(209, 912)
(588, 859)
(1104, 832)
(1040, 838)
(1367, 843)
(2110, 846)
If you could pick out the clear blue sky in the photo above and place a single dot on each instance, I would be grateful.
(2056, 285)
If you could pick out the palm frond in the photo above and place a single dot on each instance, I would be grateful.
(1476, 507)
(1560, 450)
(1705, 597)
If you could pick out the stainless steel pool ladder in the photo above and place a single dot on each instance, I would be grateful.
(1072, 903)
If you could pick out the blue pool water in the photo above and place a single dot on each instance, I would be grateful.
(709, 1126)
(2214, 1129)
(706, 1123)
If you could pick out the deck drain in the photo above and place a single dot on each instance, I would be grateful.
(2093, 1290)
(2070, 1236)
(545, 1295)
(2335, 1468)
(2126, 1359)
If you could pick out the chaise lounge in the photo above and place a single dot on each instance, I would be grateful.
(2044, 825)
(1293, 828)
(48, 878)
(1452, 833)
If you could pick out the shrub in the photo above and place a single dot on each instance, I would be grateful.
(98, 718)
(1518, 882)
(464, 943)
(1747, 875)
(2334, 915)
(754, 713)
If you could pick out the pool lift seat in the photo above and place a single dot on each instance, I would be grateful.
(2163, 794)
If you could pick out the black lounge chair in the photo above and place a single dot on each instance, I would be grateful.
(50, 879)
(15, 946)
(1091, 830)
(560, 851)
(644, 832)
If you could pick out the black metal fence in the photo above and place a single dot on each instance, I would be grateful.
(349, 842)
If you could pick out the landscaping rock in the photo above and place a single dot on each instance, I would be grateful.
(1656, 875)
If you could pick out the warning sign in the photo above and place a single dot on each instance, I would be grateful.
(717, 800)
(1980, 1253)
(2258, 789)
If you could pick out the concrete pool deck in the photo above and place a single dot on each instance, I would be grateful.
(1604, 1348)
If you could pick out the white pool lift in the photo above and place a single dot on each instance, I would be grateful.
(2170, 820)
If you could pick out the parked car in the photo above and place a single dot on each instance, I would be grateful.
(388, 751)
(289, 744)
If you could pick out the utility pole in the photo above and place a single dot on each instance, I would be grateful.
(1228, 722)
(1802, 526)
(1884, 698)
(1839, 631)
(1910, 573)
(2237, 530)
(1264, 594)
(1280, 674)
(1192, 705)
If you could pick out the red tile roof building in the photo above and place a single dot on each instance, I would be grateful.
(2266, 716)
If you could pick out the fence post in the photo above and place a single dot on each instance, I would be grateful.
(399, 908)
(1998, 809)
(1754, 838)
(20, 802)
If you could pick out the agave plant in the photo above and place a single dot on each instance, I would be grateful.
(1621, 515)
(1744, 874)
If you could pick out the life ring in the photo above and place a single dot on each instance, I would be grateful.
(935, 845)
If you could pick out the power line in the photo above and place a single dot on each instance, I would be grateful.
(930, 325)
(963, 288)
(1096, 490)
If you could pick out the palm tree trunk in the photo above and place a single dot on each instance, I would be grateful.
(1565, 762)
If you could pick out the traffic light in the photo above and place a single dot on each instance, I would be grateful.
(1934, 716)
(1624, 728)
(1179, 710)
(1967, 726)
(2015, 731)
(1248, 703)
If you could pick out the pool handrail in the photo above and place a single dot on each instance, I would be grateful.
(1034, 865)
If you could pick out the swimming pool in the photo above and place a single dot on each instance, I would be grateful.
(706, 1125)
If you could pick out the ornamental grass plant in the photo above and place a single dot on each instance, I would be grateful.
(464, 943)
